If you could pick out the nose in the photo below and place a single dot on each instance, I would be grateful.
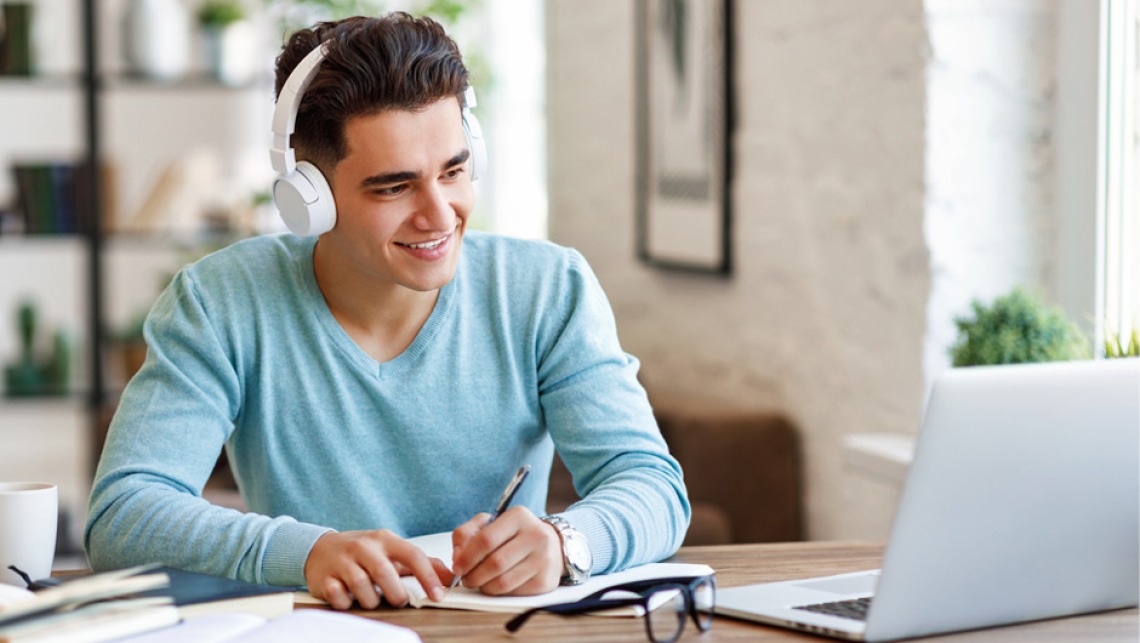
(434, 210)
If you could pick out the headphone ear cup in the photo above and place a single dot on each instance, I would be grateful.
(305, 201)
(473, 132)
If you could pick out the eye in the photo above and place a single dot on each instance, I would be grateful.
(392, 190)
(454, 172)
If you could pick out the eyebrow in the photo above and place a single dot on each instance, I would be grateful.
(400, 177)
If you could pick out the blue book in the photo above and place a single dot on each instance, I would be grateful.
(197, 594)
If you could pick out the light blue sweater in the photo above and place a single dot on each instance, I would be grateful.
(520, 349)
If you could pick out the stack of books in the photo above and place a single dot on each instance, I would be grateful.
(112, 605)
(152, 604)
(52, 197)
(94, 608)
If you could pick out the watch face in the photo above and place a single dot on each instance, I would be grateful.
(575, 551)
(578, 553)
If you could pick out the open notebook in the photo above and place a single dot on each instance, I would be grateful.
(301, 626)
(461, 598)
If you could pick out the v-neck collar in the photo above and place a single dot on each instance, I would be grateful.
(318, 308)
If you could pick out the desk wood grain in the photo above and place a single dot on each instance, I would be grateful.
(742, 565)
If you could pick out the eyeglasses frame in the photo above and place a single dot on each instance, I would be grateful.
(645, 589)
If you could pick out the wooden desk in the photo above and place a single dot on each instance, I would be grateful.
(741, 565)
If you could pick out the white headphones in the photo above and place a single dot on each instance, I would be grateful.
(300, 191)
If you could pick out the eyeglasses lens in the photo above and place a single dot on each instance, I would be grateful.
(704, 602)
(666, 622)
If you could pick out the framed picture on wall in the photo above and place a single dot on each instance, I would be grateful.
(684, 121)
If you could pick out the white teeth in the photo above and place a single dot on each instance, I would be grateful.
(425, 246)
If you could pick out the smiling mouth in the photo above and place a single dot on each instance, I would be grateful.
(427, 245)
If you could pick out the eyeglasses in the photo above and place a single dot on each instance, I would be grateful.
(664, 601)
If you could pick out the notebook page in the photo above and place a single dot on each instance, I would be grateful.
(462, 598)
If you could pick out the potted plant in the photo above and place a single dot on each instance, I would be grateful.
(1016, 328)
(229, 40)
(36, 372)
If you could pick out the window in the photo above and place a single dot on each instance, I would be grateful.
(1118, 287)
(1097, 151)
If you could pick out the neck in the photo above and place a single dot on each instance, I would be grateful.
(382, 317)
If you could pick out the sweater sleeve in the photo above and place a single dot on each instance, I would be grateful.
(172, 422)
(634, 506)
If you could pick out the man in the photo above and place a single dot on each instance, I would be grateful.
(385, 379)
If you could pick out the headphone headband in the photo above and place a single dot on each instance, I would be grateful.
(288, 104)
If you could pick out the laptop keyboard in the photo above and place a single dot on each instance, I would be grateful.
(855, 609)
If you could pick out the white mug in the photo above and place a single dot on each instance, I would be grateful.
(29, 513)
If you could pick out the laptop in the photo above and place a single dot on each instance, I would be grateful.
(1022, 503)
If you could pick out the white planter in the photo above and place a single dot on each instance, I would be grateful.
(156, 39)
(231, 52)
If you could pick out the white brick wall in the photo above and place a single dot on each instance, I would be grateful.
(847, 230)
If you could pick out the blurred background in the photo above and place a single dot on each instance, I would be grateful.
(802, 211)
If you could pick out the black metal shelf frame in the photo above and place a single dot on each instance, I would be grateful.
(91, 122)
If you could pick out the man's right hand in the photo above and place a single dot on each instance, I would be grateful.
(347, 566)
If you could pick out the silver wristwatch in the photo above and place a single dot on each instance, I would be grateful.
(575, 551)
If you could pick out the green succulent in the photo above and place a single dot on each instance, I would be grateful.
(1016, 328)
(220, 13)
(26, 318)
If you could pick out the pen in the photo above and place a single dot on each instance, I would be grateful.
(504, 502)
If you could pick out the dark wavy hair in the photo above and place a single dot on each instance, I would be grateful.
(396, 61)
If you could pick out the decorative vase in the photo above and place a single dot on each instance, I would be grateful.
(156, 39)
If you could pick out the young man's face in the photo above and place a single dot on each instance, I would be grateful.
(403, 195)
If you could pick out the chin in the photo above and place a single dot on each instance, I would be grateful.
(434, 281)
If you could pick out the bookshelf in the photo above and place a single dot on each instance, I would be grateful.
(87, 274)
